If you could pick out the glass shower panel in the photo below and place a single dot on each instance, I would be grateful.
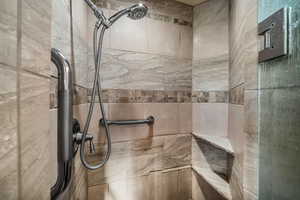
(279, 113)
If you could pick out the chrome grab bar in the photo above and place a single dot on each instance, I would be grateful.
(150, 120)
(64, 125)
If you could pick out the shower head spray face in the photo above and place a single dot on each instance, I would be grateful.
(134, 12)
(138, 11)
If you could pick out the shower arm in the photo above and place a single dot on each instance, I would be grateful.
(98, 13)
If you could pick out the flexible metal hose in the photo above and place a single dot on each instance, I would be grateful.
(97, 48)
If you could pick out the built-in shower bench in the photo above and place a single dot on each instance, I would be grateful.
(212, 161)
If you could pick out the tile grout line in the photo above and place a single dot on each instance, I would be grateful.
(19, 64)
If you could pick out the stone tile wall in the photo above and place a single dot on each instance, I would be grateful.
(25, 66)
(243, 98)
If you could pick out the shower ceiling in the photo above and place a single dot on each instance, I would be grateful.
(192, 2)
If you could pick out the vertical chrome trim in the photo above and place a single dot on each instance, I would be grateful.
(64, 124)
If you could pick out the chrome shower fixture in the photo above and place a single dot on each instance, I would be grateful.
(138, 11)
(97, 12)
(134, 12)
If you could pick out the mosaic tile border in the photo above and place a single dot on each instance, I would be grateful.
(83, 95)
(144, 96)
(236, 95)
(210, 97)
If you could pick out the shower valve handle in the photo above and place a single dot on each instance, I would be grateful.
(78, 135)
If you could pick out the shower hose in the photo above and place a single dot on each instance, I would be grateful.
(97, 50)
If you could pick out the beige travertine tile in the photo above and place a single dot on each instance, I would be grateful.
(138, 188)
(198, 157)
(237, 138)
(34, 118)
(172, 184)
(210, 118)
(185, 184)
(35, 146)
(251, 146)
(8, 34)
(251, 109)
(128, 34)
(125, 111)
(211, 46)
(197, 192)
(60, 30)
(162, 38)
(80, 187)
(236, 185)
(129, 70)
(243, 43)
(8, 134)
(185, 42)
(236, 127)
(166, 117)
(221, 187)
(80, 42)
(117, 189)
(185, 117)
(211, 74)
(251, 175)
(202, 190)
(36, 40)
(169, 186)
(141, 157)
(160, 185)
(99, 192)
(210, 24)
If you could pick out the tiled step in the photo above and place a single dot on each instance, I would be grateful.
(217, 183)
(217, 141)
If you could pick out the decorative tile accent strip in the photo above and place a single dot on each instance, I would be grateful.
(210, 97)
(159, 17)
(80, 94)
(144, 96)
(236, 95)
(182, 22)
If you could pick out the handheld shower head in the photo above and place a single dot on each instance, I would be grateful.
(135, 12)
